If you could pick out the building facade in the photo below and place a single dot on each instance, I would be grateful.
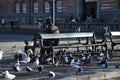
(28, 11)
(109, 10)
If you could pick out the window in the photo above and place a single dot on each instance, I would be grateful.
(36, 7)
(47, 7)
(24, 8)
(59, 6)
(17, 8)
(90, 0)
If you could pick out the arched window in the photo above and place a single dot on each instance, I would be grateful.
(47, 7)
(35, 7)
(59, 6)
(24, 9)
(17, 8)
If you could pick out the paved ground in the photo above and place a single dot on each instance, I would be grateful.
(63, 72)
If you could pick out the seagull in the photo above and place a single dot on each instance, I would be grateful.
(78, 69)
(51, 75)
(17, 66)
(29, 69)
(40, 69)
(1, 54)
(9, 76)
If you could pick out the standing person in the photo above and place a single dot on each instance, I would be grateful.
(3, 22)
(12, 24)
(39, 23)
(49, 28)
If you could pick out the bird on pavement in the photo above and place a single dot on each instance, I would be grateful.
(117, 66)
(73, 63)
(51, 75)
(40, 68)
(8, 76)
(17, 66)
(36, 62)
(78, 70)
(103, 63)
(29, 69)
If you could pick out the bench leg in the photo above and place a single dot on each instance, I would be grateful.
(53, 57)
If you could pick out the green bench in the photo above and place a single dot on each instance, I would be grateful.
(66, 36)
(114, 38)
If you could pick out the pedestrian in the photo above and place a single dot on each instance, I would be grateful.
(3, 22)
(12, 24)
(40, 23)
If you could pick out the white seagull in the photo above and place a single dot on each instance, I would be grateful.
(51, 75)
(1, 54)
(9, 76)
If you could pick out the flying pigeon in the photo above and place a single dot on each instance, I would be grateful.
(9, 76)
(51, 75)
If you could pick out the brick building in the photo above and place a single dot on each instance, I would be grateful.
(109, 10)
(28, 11)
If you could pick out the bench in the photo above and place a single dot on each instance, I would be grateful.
(70, 36)
(114, 38)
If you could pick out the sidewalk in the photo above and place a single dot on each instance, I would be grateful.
(23, 29)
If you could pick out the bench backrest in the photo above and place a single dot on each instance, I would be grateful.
(66, 35)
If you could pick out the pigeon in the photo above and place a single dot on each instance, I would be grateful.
(117, 66)
(9, 76)
(1, 54)
(103, 63)
(78, 70)
(25, 58)
(29, 69)
(18, 56)
(36, 62)
(51, 75)
(14, 46)
(40, 68)
(17, 66)
(73, 63)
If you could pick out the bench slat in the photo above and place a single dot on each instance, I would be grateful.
(115, 33)
(66, 35)
(73, 45)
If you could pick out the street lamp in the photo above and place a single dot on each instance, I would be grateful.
(53, 12)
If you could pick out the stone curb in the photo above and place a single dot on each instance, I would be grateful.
(97, 76)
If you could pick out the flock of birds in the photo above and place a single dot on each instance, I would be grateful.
(61, 57)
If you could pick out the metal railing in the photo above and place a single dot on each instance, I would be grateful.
(98, 28)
